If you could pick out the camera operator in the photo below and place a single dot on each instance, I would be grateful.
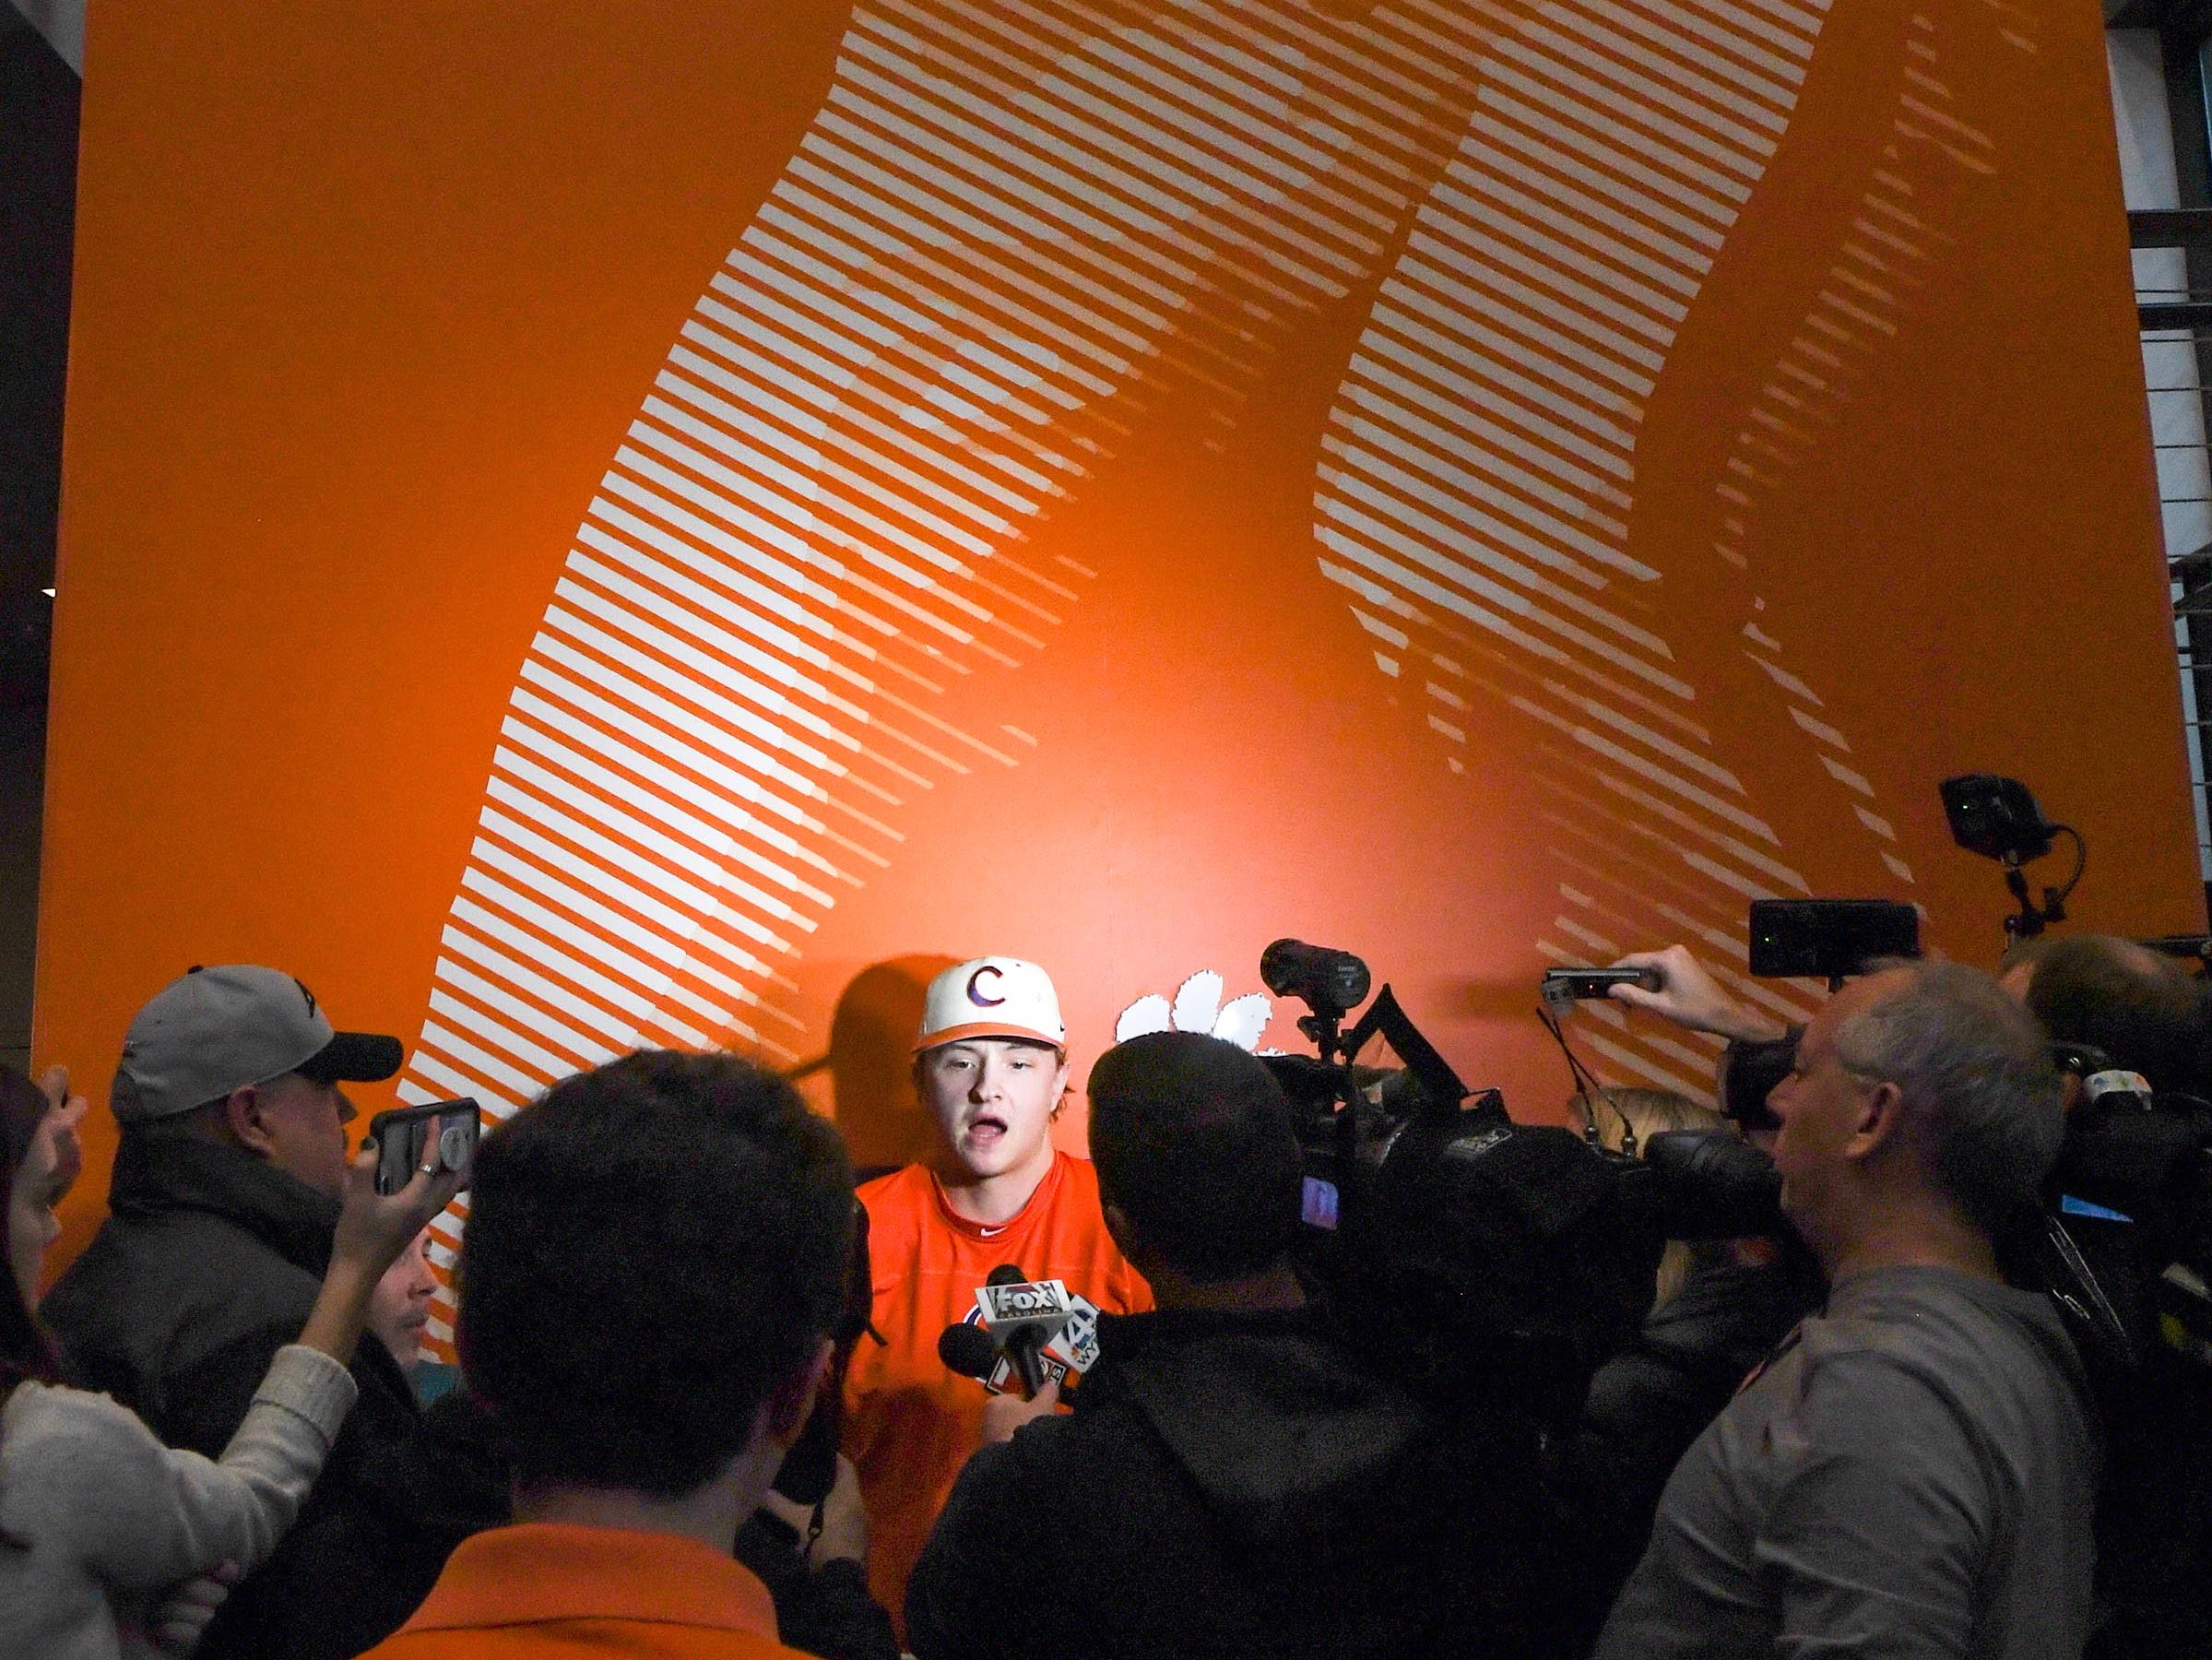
(1912, 1472)
(1233, 1479)
(2143, 1012)
(2137, 1010)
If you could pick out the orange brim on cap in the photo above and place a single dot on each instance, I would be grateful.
(986, 1028)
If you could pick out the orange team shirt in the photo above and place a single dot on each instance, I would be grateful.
(554, 1592)
(909, 1423)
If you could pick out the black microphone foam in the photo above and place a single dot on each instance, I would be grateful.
(1006, 1274)
(967, 1349)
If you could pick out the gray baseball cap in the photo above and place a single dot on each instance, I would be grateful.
(214, 1030)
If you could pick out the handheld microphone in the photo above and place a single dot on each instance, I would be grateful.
(1022, 1316)
(968, 1350)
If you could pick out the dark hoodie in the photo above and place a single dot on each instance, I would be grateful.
(1227, 1484)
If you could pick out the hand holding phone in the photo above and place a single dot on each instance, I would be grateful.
(377, 1222)
(1687, 994)
(1590, 985)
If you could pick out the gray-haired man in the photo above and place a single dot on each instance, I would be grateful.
(1913, 1472)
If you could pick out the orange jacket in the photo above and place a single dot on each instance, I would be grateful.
(909, 1423)
(541, 1592)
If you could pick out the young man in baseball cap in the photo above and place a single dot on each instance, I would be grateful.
(222, 1206)
(990, 1063)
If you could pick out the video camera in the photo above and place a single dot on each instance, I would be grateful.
(1503, 1261)
(2133, 1184)
(1998, 818)
(2133, 1190)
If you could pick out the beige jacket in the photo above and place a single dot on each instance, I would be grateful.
(106, 1517)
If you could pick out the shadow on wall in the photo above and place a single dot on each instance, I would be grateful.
(870, 1063)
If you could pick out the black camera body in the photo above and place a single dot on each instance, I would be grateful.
(1833, 940)
(2134, 1187)
(1501, 1261)
(1995, 817)
(1998, 818)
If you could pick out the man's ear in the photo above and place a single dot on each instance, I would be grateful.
(1880, 1121)
(785, 1411)
(245, 1121)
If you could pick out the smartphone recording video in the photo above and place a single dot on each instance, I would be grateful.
(441, 1134)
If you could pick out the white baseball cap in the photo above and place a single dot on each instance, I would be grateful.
(991, 997)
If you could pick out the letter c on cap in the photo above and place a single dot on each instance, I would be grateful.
(976, 994)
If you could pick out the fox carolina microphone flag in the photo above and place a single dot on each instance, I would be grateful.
(587, 526)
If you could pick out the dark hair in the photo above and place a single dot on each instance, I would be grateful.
(1193, 1142)
(27, 1353)
(2139, 1007)
(651, 1250)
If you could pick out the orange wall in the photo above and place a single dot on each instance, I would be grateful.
(1794, 401)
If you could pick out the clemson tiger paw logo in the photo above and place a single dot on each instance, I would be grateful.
(1197, 1008)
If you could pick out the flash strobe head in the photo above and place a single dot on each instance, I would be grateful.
(1328, 982)
(1996, 817)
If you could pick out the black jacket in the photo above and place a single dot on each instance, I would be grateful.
(210, 1260)
(1227, 1484)
(1646, 1404)
(826, 1610)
